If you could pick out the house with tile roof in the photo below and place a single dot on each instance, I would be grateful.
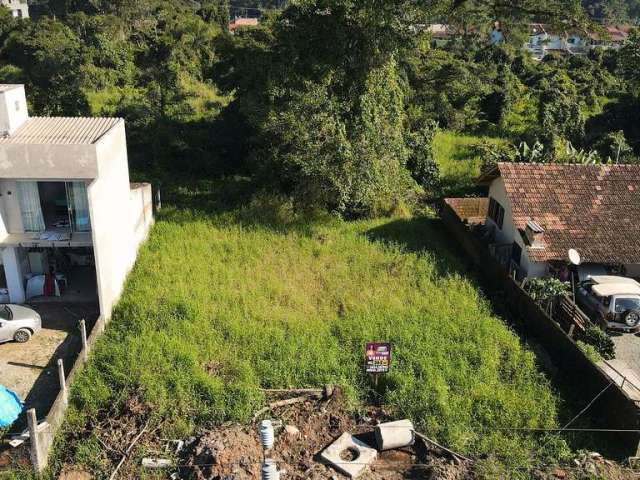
(67, 208)
(538, 212)
(238, 23)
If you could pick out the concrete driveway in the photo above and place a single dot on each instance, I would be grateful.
(30, 369)
(625, 368)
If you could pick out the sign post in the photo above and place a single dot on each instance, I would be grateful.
(377, 359)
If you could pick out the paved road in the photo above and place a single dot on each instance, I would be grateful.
(627, 361)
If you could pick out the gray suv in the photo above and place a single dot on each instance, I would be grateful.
(18, 323)
(611, 302)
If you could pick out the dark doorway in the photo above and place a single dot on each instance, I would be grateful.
(55, 207)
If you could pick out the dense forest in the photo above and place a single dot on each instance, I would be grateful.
(330, 101)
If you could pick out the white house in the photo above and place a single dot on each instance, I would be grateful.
(66, 205)
(19, 8)
(543, 39)
(538, 212)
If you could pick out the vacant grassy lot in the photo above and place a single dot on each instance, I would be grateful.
(459, 161)
(221, 304)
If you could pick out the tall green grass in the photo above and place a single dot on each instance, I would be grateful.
(458, 161)
(222, 304)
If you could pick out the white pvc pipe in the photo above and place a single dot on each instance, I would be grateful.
(396, 434)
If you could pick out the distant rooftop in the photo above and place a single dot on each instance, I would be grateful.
(243, 22)
(60, 130)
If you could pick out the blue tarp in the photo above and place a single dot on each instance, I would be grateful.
(10, 407)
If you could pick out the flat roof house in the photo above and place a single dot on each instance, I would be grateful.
(66, 205)
(18, 8)
(537, 212)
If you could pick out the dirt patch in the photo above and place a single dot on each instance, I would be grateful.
(233, 452)
(29, 368)
(305, 429)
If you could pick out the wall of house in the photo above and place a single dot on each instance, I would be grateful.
(48, 162)
(141, 211)
(13, 109)
(115, 239)
(10, 208)
(509, 233)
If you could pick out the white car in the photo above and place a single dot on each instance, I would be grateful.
(611, 302)
(18, 323)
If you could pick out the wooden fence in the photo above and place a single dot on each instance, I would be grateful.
(615, 409)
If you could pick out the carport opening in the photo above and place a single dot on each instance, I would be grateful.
(61, 274)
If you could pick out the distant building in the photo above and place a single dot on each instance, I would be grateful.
(543, 40)
(612, 37)
(242, 23)
(19, 8)
(442, 33)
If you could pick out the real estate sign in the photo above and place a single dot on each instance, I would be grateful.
(377, 357)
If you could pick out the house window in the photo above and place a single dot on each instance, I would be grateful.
(496, 212)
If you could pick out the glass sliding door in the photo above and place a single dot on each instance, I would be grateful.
(30, 207)
(78, 203)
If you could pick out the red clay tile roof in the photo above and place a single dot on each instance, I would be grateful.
(592, 208)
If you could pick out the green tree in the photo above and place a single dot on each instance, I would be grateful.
(48, 57)
(629, 61)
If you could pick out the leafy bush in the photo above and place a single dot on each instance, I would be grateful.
(600, 341)
(545, 290)
(590, 351)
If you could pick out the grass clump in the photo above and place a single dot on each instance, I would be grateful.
(221, 304)
(460, 161)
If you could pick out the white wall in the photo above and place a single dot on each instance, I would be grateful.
(13, 109)
(115, 239)
(12, 261)
(48, 162)
(141, 211)
(10, 208)
(498, 192)
(509, 233)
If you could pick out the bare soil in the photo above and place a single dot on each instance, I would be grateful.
(234, 452)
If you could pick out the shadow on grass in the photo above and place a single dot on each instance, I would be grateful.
(234, 201)
(423, 235)
(429, 235)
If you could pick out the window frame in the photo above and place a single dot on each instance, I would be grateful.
(496, 212)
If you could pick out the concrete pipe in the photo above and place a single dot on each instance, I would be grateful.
(396, 434)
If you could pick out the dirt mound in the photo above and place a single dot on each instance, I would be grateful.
(305, 429)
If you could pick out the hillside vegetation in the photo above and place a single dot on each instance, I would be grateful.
(222, 304)
(459, 160)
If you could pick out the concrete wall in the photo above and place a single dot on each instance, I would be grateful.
(48, 162)
(115, 236)
(13, 109)
(10, 208)
(141, 211)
